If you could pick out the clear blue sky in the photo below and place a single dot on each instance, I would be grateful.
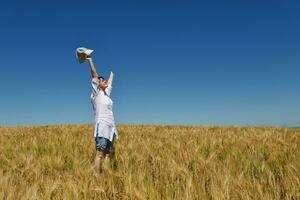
(176, 62)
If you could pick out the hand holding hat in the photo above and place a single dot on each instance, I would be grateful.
(83, 54)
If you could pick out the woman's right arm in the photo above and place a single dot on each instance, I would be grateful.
(92, 67)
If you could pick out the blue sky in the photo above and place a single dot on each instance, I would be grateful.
(176, 62)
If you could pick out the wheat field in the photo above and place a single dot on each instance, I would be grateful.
(151, 162)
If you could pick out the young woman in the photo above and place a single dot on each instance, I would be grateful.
(105, 129)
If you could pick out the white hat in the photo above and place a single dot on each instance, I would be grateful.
(80, 51)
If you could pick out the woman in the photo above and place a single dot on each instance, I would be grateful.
(105, 129)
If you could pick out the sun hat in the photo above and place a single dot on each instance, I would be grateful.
(80, 51)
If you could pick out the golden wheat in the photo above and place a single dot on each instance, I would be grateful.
(151, 162)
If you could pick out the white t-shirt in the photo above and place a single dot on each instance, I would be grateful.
(102, 105)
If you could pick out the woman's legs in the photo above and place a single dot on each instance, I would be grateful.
(103, 150)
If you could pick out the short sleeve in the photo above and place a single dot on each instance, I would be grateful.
(108, 90)
(95, 86)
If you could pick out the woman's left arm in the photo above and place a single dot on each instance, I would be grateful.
(111, 78)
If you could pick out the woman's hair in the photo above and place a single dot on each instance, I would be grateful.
(101, 77)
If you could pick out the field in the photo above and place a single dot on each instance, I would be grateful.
(151, 162)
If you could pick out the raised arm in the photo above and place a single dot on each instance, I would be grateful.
(92, 67)
(111, 78)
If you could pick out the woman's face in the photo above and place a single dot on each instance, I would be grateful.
(102, 84)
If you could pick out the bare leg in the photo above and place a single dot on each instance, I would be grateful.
(99, 156)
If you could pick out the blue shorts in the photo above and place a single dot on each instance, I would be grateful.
(103, 144)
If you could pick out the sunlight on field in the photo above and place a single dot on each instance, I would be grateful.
(151, 162)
